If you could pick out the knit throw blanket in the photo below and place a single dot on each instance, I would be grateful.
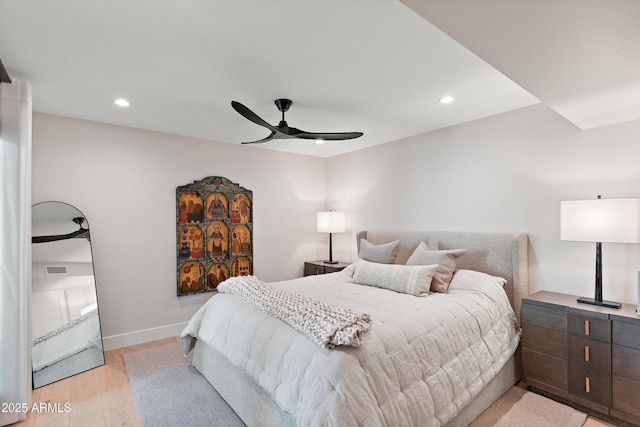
(323, 323)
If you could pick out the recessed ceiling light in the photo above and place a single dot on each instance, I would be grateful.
(121, 102)
(319, 141)
(446, 99)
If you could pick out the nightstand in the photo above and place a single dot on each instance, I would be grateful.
(320, 267)
(585, 355)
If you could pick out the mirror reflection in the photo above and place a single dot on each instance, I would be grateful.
(64, 314)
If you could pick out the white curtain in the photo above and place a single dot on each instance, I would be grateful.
(15, 247)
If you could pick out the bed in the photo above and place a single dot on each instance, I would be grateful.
(408, 370)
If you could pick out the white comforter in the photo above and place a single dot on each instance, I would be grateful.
(423, 359)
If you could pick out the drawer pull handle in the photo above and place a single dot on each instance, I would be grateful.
(586, 327)
(586, 353)
(587, 385)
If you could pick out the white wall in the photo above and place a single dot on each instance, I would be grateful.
(503, 173)
(124, 181)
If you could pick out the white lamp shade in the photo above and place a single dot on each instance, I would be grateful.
(330, 222)
(601, 220)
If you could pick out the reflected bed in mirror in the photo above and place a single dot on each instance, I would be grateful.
(65, 323)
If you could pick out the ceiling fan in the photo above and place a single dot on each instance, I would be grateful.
(283, 130)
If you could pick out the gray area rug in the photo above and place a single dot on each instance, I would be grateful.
(521, 408)
(171, 392)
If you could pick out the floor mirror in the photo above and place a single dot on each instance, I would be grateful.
(65, 320)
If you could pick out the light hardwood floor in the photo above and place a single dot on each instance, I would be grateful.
(103, 397)
(99, 397)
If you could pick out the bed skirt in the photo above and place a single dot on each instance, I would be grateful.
(256, 407)
(251, 402)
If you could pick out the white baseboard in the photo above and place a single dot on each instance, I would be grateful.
(139, 337)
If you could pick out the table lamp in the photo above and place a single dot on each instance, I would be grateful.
(330, 222)
(600, 220)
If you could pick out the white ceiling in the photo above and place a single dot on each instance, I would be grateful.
(373, 66)
(580, 57)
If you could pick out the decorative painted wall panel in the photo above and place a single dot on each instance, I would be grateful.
(214, 234)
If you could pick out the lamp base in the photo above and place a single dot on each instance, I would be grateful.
(330, 262)
(592, 301)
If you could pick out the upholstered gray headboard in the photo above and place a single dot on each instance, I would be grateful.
(499, 254)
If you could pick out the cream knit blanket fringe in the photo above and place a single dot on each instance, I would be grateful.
(323, 323)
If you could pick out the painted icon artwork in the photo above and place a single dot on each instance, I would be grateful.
(191, 277)
(191, 241)
(189, 207)
(214, 234)
(216, 274)
(218, 241)
(217, 206)
(240, 208)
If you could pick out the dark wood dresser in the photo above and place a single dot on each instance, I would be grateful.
(320, 267)
(585, 355)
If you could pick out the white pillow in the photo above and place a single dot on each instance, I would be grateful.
(385, 253)
(412, 280)
(470, 279)
(446, 260)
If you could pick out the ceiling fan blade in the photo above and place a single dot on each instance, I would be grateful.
(83, 233)
(250, 115)
(333, 136)
(283, 130)
(260, 141)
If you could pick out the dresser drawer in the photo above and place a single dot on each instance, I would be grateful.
(543, 340)
(543, 371)
(589, 384)
(626, 362)
(589, 327)
(333, 268)
(311, 269)
(625, 395)
(590, 353)
(544, 316)
(626, 333)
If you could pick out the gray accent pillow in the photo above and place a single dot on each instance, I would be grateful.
(412, 280)
(385, 253)
(446, 260)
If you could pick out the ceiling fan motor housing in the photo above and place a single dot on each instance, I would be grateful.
(283, 104)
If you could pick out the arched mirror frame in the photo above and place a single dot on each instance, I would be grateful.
(66, 336)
